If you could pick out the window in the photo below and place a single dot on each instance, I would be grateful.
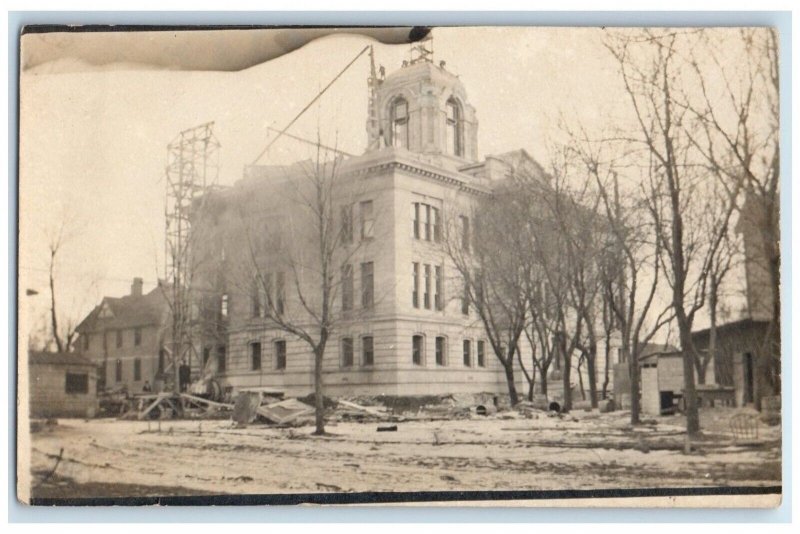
(347, 352)
(415, 216)
(426, 296)
(137, 369)
(464, 232)
(428, 222)
(206, 356)
(415, 289)
(467, 353)
(103, 378)
(367, 351)
(137, 336)
(223, 306)
(481, 353)
(86, 342)
(465, 299)
(77, 383)
(255, 356)
(118, 371)
(438, 296)
(255, 298)
(347, 287)
(367, 220)
(162, 358)
(478, 287)
(367, 285)
(119, 338)
(279, 293)
(347, 224)
(280, 354)
(437, 225)
(416, 350)
(440, 351)
(399, 114)
(453, 127)
(222, 359)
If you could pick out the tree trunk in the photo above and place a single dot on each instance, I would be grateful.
(543, 381)
(633, 371)
(591, 368)
(319, 397)
(508, 365)
(712, 330)
(53, 318)
(567, 406)
(689, 391)
(607, 367)
(532, 384)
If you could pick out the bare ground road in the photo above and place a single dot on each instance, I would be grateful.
(586, 450)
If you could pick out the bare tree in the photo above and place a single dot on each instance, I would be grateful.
(627, 256)
(493, 266)
(738, 109)
(297, 278)
(725, 258)
(652, 68)
(62, 326)
(541, 328)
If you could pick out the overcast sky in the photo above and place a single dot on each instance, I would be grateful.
(93, 139)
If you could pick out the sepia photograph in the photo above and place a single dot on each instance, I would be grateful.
(353, 265)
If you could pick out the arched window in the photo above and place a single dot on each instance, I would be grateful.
(400, 123)
(453, 128)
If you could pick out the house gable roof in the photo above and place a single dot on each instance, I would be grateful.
(127, 312)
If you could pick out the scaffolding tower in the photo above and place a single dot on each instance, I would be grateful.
(192, 170)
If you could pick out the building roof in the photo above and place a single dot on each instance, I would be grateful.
(739, 324)
(57, 358)
(127, 312)
(653, 349)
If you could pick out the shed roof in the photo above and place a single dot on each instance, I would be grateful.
(57, 358)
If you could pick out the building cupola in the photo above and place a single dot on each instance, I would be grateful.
(422, 108)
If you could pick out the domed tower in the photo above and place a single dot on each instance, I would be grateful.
(423, 108)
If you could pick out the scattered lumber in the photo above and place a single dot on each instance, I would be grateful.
(285, 411)
(366, 409)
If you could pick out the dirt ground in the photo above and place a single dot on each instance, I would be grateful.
(505, 451)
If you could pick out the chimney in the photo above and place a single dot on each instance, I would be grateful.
(136, 287)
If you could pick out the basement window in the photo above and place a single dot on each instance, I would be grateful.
(481, 353)
(255, 356)
(440, 351)
(416, 349)
(368, 356)
(280, 354)
(347, 352)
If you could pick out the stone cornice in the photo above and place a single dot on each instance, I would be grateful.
(409, 167)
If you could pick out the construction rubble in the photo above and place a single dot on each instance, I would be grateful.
(253, 406)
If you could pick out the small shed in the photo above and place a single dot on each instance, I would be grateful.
(662, 382)
(62, 385)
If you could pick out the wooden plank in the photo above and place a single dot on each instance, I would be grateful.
(152, 405)
(367, 409)
(206, 402)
